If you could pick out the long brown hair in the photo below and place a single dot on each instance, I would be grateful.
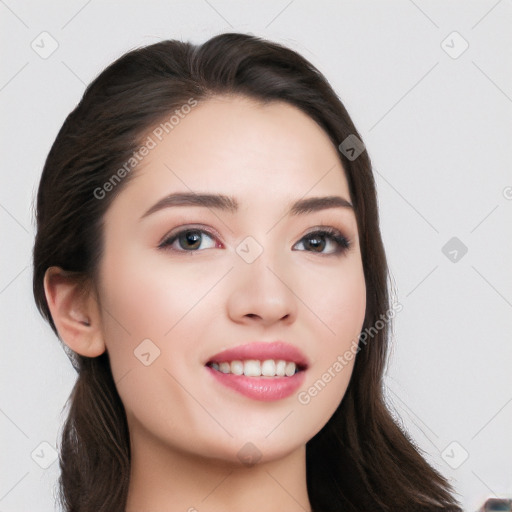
(361, 460)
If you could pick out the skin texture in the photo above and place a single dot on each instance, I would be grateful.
(187, 430)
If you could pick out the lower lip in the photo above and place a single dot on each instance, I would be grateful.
(265, 389)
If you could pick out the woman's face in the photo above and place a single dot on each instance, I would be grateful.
(180, 283)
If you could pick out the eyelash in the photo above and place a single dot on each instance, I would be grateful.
(332, 234)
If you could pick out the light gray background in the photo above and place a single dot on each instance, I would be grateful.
(438, 131)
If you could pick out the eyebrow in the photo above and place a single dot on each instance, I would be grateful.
(230, 204)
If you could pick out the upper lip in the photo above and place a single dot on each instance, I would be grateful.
(262, 350)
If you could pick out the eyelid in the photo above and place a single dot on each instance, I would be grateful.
(325, 227)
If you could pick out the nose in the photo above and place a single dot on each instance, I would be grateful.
(262, 293)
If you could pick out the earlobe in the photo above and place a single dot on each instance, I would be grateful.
(75, 311)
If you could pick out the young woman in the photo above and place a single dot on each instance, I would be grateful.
(208, 251)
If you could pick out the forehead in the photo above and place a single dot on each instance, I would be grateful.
(241, 147)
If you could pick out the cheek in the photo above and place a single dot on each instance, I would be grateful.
(348, 317)
(151, 312)
(152, 299)
(150, 296)
(342, 310)
(339, 300)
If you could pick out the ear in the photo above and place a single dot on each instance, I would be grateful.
(75, 311)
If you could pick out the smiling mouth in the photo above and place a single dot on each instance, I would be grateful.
(271, 368)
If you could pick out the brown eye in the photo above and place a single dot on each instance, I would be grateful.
(187, 240)
(318, 241)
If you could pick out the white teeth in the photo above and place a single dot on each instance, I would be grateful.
(255, 368)
(237, 367)
(225, 367)
(268, 368)
(252, 368)
(280, 368)
(290, 369)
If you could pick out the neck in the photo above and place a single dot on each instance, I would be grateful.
(166, 480)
